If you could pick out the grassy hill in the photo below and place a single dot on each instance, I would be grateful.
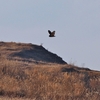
(28, 52)
(30, 72)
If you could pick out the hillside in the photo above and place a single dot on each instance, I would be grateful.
(30, 72)
(28, 52)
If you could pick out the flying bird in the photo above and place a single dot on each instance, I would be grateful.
(51, 34)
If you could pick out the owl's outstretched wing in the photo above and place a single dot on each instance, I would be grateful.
(49, 31)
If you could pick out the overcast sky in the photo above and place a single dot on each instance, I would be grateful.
(76, 22)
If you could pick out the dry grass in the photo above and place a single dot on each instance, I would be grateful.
(27, 79)
(7, 98)
(47, 82)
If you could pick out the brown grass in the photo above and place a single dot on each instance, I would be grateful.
(7, 98)
(23, 78)
(47, 82)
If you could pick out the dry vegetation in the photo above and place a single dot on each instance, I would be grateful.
(47, 82)
(22, 80)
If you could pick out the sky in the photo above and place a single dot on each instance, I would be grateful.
(76, 22)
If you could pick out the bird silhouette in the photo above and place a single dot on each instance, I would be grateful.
(51, 34)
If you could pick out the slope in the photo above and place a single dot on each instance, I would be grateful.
(28, 52)
(30, 72)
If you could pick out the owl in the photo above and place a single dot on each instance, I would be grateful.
(51, 34)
